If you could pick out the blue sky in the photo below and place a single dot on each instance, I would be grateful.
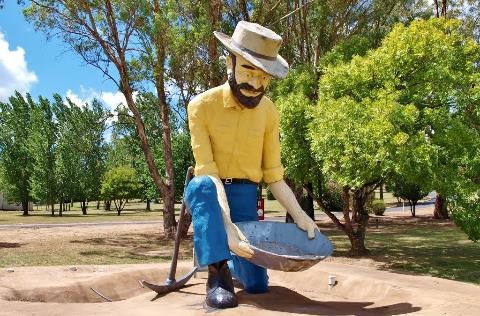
(30, 63)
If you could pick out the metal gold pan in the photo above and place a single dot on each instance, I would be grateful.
(283, 246)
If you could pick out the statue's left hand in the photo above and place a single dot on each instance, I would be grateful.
(304, 222)
(282, 192)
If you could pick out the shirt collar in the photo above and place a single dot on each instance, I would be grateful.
(229, 100)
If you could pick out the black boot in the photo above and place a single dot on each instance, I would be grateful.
(220, 291)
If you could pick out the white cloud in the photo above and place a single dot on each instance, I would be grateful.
(14, 73)
(110, 100)
(75, 98)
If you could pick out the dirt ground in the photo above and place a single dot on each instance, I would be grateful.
(362, 289)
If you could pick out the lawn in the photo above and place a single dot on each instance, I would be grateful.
(417, 245)
(134, 211)
(397, 243)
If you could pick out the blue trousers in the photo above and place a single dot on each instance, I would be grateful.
(209, 235)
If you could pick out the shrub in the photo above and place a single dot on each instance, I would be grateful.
(377, 207)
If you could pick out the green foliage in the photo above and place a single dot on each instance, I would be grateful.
(125, 148)
(344, 52)
(15, 157)
(397, 110)
(182, 159)
(80, 160)
(42, 145)
(377, 207)
(405, 110)
(466, 214)
(406, 190)
(120, 184)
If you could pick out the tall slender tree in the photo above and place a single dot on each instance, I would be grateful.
(43, 146)
(15, 156)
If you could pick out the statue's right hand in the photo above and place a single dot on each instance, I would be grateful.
(237, 242)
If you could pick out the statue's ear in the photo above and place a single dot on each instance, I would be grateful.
(229, 63)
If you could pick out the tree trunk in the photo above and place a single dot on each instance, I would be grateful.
(381, 191)
(444, 8)
(167, 189)
(169, 223)
(307, 202)
(148, 205)
(25, 207)
(60, 209)
(214, 13)
(440, 211)
(106, 205)
(98, 204)
(358, 246)
(356, 231)
(52, 205)
(83, 205)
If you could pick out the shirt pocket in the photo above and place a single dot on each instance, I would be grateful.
(222, 137)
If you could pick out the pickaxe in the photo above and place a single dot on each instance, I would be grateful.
(171, 284)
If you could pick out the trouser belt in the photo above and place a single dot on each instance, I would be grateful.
(237, 181)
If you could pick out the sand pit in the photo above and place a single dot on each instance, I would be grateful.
(360, 291)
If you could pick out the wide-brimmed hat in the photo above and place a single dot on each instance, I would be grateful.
(258, 45)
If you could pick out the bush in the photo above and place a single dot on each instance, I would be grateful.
(332, 197)
(377, 207)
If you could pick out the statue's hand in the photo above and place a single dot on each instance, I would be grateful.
(287, 199)
(304, 222)
(237, 242)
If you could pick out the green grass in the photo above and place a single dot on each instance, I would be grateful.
(424, 246)
(133, 211)
(401, 244)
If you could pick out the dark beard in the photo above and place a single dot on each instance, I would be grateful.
(246, 101)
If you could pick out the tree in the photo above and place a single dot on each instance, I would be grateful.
(16, 159)
(90, 146)
(412, 192)
(80, 150)
(43, 146)
(397, 110)
(119, 185)
(131, 36)
(317, 35)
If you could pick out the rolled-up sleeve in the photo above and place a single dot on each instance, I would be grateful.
(200, 140)
(271, 164)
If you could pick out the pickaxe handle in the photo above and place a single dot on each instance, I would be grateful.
(173, 267)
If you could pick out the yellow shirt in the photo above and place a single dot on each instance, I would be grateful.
(234, 142)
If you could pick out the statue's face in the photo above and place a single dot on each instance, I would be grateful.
(248, 83)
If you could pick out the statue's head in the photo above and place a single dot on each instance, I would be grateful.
(253, 61)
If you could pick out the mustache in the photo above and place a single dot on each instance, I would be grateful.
(248, 87)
